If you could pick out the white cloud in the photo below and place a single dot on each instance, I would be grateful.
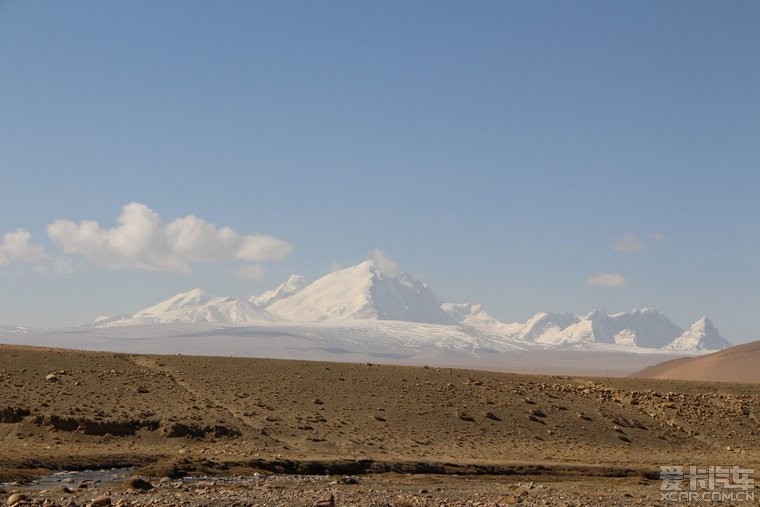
(383, 263)
(628, 243)
(16, 247)
(141, 241)
(658, 236)
(606, 280)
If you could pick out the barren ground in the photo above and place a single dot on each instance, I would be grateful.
(530, 439)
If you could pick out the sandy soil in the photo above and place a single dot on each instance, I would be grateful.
(401, 430)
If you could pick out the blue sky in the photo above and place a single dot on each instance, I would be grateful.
(507, 152)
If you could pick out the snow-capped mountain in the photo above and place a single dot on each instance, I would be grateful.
(193, 306)
(640, 328)
(540, 328)
(367, 291)
(291, 286)
(373, 303)
(645, 328)
(702, 335)
(473, 315)
(543, 327)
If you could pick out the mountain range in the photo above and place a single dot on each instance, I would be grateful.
(373, 298)
(194, 306)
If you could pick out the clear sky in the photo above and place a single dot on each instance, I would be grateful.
(532, 155)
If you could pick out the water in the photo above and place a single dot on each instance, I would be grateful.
(116, 476)
(73, 479)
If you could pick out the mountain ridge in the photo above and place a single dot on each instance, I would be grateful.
(363, 291)
(702, 335)
(195, 305)
(377, 291)
(291, 286)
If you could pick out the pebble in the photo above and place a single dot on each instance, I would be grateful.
(16, 498)
(138, 483)
(101, 501)
(326, 500)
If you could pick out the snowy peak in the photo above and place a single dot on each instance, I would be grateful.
(370, 290)
(395, 304)
(193, 306)
(640, 328)
(183, 300)
(597, 314)
(702, 335)
(542, 327)
(648, 327)
(292, 285)
(470, 314)
(342, 294)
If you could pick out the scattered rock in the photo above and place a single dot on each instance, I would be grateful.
(51, 377)
(463, 415)
(326, 500)
(179, 430)
(138, 483)
(510, 500)
(13, 414)
(101, 501)
(524, 489)
(17, 498)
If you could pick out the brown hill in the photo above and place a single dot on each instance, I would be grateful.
(739, 364)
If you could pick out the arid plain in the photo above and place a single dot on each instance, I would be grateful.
(366, 434)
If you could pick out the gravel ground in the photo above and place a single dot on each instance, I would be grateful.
(374, 490)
